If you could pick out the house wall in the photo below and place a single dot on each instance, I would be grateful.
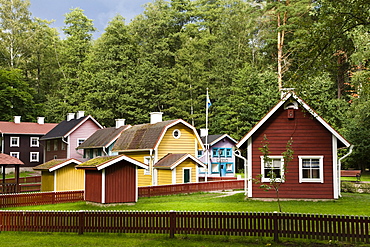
(83, 132)
(47, 181)
(164, 177)
(69, 178)
(120, 183)
(143, 180)
(186, 164)
(93, 186)
(309, 138)
(187, 143)
(56, 151)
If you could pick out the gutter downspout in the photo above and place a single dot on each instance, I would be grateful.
(340, 168)
(105, 151)
(237, 154)
(68, 154)
(2, 142)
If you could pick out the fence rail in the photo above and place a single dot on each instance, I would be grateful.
(275, 225)
(25, 180)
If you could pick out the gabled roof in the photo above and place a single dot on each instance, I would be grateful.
(56, 164)
(147, 136)
(103, 162)
(170, 161)
(26, 128)
(103, 137)
(6, 159)
(213, 139)
(65, 128)
(305, 106)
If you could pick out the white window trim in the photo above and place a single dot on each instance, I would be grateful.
(321, 170)
(34, 138)
(14, 153)
(267, 180)
(147, 162)
(34, 160)
(11, 141)
(179, 133)
(79, 140)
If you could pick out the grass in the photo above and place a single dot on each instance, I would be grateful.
(349, 204)
(21, 174)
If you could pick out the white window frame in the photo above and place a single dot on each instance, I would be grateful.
(37, 156)
(80, 141)
(267, 180)
(147, 162)
(34, 139)
(178, 133)
(11, 141)
(321, 169)
(15, 154)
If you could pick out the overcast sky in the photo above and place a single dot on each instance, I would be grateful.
(100, 11)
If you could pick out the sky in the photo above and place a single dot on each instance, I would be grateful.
(100, 11)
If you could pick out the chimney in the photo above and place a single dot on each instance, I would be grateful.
(70, 116)
(155, 117)
(80, 114)
(120, 123)
(17, 119)
(203, 132)
(40, 120)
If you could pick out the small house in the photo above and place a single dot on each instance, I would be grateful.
(61, 175)
(314, 172)
(111, 179)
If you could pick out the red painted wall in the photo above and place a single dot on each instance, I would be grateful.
(93, 186)
(309, 138)
(120, 183)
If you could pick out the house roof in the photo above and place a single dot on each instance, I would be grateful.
(306, 107)
(103, 162)
(170, 161)
(6, 159)
(65, 128)
(103, 137)
(26, 128)
(147, 136)
(56, 164)
(213, 139)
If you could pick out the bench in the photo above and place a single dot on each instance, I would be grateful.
(351, 173)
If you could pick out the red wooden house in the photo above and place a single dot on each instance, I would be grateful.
(111, 179)
(314, 172)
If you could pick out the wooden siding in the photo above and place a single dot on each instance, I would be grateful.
(187, 143)
(120, 183)
(143, 180)
(47, 181)
(310, 138)
(93, 186)
(69, 178)
(186, 164)
(55, 154)
(164, 177)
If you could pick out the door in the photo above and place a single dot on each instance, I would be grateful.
(186, 174)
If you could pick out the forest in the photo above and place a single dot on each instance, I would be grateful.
(244, 52)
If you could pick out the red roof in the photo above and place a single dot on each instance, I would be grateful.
(26, 128)
(6, 159)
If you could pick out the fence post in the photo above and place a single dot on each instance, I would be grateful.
(172, 223)
(81, 224)
(276, 226)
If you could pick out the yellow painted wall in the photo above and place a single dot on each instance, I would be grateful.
(143, 180)
(188, 163)
(47, 181)
(164, 177)
(187, 143)
(69, 178)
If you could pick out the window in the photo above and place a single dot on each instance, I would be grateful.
(229, 152)
(55, 145)
(229, 167)
(200, 153)
(147, 162)
(34, 142)
(63, 146)
(48, 146)
(14, 141)
(176, 134)
(214, 168)
(272, 169)
(14, 154)
(34, 157)
(311, 169)
(219, 152)
(80, 141)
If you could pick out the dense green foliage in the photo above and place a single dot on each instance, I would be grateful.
(166, 58)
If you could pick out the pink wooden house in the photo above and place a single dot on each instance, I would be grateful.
(61, 142)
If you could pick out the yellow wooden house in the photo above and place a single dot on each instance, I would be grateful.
(61, 175)
(149, 143)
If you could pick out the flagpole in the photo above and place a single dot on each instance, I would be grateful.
(207, 145)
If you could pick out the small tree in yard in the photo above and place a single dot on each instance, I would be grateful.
(276, 179)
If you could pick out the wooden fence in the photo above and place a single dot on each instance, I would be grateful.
(275, 225)
(40, 198)
(173, 189)
(25, 180)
